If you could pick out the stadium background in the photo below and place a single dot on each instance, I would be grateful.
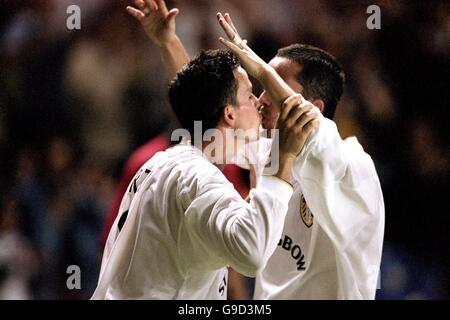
(74, 104)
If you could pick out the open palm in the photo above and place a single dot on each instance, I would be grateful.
(158, 22)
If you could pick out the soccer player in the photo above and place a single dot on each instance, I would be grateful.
(332, 239)
(181, 223)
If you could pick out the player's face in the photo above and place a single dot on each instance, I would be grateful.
(288, 71)
(247, 115)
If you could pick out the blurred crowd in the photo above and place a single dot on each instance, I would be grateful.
(74, 104)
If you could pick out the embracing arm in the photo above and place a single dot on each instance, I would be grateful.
(159, 25)
(226, 228)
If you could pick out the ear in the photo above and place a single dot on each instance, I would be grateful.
(229, 116)
(319, 104)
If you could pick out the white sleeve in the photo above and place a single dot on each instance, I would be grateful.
(223, 225)
(339, 182)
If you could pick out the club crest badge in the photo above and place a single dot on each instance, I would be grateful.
(305, 213)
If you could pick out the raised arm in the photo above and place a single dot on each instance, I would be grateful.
(159, 25)
(278, 90)
(297, 117)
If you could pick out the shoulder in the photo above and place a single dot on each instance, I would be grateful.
(361, 166)
(194, 169)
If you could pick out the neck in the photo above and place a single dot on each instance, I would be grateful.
(217, 148)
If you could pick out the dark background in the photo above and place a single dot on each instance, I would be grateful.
(74, 104)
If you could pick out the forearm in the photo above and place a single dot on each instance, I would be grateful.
(243, 235)
(284, 169)
(275, 86)
(261, 227)
(174, 56)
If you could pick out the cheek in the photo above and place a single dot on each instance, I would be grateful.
(252, 111)
(248, 116)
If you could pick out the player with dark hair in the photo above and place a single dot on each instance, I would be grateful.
(310, 71)
(195, 94)
(333, 235)
(181, 223)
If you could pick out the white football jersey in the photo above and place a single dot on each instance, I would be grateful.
(181, 223)
(333, 234)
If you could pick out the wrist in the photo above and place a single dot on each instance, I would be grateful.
(169, 42)
(285, 166)
(286, 157)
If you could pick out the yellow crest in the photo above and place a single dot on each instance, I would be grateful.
(305, 213)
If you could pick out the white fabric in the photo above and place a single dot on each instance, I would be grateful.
(186, 223)
(339, 255)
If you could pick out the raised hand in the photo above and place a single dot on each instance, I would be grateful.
(251, 62)
(159, 25)
(297, 120)
(277, 89)
(227, 25)
(157, 21)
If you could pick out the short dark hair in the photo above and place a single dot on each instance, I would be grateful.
(203, 87)
(321, 77)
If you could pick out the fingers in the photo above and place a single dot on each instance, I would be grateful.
(148, 6)
(162, 5)
(140, 4)
(299, 112)
(145, 7)
(137, 14)
(310, 126)
(237, 38)
(228, 19)
(231, 32)
(288, 104)
(172, 14)
(226, 27)
(310, 114)
(294, 100)
(236, 50)
(151, 4)
(306, 118)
